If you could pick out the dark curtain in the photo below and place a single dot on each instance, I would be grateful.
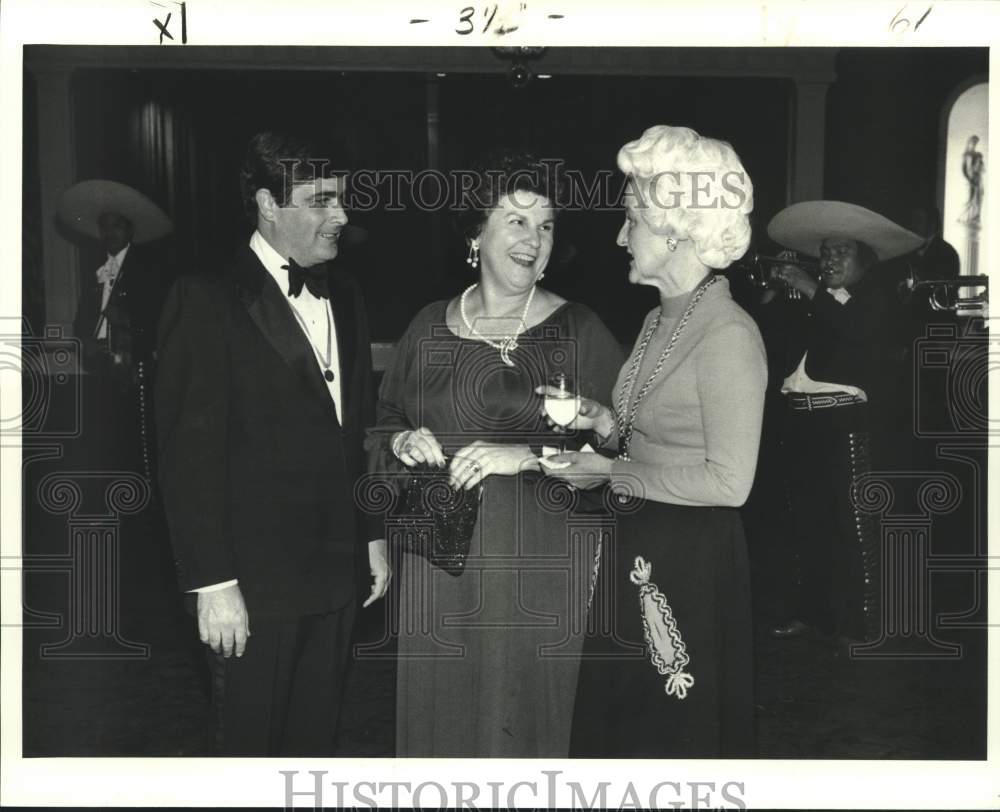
(32, 269)
(165, 162)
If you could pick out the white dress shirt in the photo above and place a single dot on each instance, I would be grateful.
(315, 318)
(314, 315)
(107, 275)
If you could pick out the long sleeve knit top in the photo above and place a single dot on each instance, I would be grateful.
(697, 431)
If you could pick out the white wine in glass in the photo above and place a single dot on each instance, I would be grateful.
(562, 404)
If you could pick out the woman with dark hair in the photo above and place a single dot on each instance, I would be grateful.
(667, 669)
(488, 660)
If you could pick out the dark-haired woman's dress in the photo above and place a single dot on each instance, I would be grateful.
(488, 660)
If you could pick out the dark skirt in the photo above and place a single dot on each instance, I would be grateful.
(699, 569)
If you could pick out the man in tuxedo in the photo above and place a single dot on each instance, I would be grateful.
(263, 395)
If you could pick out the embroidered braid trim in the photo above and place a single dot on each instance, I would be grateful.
(652, 600)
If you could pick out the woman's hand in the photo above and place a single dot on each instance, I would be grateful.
(478, 460)
(585, 469)
(414, 447)
(592, 416)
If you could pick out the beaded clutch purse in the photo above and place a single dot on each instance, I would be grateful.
(434, 520)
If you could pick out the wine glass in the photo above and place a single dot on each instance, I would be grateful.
(562, 404)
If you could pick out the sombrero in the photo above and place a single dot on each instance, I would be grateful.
(82, 203)
(802, 227)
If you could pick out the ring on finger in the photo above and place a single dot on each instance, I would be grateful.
(475, 466)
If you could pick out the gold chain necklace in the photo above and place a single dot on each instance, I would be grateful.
(626, 423)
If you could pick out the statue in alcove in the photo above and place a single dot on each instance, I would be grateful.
(973, 167)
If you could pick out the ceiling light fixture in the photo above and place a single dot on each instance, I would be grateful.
(519, 56)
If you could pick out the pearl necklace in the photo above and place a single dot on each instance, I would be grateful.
(508, 344)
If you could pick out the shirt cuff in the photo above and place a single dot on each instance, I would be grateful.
(214, 587)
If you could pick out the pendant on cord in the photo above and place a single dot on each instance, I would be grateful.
(507, 346)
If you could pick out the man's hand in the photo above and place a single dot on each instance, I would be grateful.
(222, 620)
(379, 563)
(794, 277)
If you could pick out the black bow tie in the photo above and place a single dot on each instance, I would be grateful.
(313, 278)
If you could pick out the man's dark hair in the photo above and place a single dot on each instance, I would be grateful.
(502, 172)
(277, 161)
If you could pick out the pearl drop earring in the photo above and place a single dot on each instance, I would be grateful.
(473, 258)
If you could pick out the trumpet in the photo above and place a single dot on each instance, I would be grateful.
(758, 268)
(946, 294)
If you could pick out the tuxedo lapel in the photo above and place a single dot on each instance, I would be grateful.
(270, 311)
(344, 317)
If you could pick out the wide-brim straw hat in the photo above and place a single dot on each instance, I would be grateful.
(803, 226)
(83, 203)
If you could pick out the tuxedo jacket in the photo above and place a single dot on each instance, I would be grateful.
(133, 308)
(257, 470)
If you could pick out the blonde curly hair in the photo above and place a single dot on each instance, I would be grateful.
(693, 188)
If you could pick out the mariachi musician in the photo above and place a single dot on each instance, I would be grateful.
(832, 378)
(118, 309)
